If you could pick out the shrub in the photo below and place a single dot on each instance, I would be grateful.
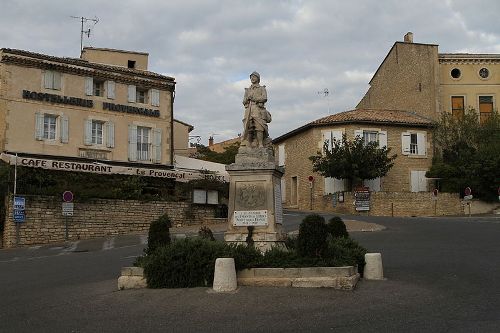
(313, 232)
(244, 256)
(206, 233)
(291, 242)
(337, 228)
(184, 263)
(159, 233)
(346, 252)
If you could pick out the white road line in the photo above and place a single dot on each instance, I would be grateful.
(108, 244)
(34, 247)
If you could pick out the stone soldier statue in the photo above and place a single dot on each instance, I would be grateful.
(255, 130)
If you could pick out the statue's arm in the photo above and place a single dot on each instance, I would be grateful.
(261, 95)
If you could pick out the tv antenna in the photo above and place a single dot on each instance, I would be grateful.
(326, 95)
(86, 31)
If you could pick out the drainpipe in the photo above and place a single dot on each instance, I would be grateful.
(172, 97)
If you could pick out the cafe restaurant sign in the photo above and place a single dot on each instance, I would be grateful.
(106, 169)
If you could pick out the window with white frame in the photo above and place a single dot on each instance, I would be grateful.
(97, 132)
(143, 143)
(137, 94)
(372, 135)
(52, 80)
(51, 127)
(329, 138)
(98, 88)
(414, 143)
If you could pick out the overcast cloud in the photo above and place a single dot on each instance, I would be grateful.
(210, 47)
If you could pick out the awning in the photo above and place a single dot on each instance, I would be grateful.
(179, 174)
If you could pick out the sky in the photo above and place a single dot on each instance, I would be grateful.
(315, 57)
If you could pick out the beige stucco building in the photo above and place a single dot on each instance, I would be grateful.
(105, 106)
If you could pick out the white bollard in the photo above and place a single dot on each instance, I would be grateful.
(225, 275)
(373, 268)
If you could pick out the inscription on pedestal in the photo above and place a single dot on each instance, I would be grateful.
(250, 196)
(244, 218)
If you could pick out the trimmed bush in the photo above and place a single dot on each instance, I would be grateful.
(337, 228)
(206, 233)
(347, 252)
(313, 232)
(159, 233)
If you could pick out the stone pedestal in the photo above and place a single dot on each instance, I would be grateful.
(255, 199)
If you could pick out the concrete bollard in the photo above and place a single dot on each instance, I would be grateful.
(373, 268)
(225, 275)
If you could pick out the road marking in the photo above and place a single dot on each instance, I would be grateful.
(130, 257)
(144, 239)
(34, 247)
(11, 260)
(71, 247)
(108, 244)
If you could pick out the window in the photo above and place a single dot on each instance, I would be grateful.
(485, 107)
(457, 106)
(141, 95)
(97, 132)
(414, 143)
(49, 127)
(98, 88)
(329, 137)
(484, 73)
(210, 197)
(143, 149)
(52, 80)
(131, 64)
(455, 73)
(370, 136)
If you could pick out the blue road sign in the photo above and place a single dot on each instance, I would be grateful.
(19, 209)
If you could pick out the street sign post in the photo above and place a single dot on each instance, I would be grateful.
(67, 207)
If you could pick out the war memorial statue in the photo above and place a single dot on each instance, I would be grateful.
(255, 213)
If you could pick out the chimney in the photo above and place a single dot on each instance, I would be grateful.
(408, 37)
(211, 141)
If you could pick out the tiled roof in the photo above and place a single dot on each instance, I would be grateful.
(374, 116)
(365, 116)
(81, 63)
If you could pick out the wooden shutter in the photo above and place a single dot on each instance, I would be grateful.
(338, 185)
(57, 80)
(155, 97)
(373, 184)
(131, 93)
(329, 185)
(337, 136)
(132, 143)
(87, 140)
(281, 155)
(382, 139)
(89, 86)
(110, 134)
(111, 89)
(48, 80)
(405, 143)
(422, 143)
(326, 138)
(39, 126)
(64, 129)
(157, 145)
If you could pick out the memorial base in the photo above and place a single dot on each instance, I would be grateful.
(255, 200)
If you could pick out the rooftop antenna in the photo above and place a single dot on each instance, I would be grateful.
(326, 94)
(86, 31)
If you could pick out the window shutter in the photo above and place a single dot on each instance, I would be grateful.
(329, 185)
(281, 155)
(155, 97)
(131, 93)
(373, 184)
(111, 89)
(89, 86)
(110, 132)
(358, 133)
(57, 80)
(64, 129)
(421, 143)
(326, 137)
(418, 181)
(338, 185)
(337, 136)
(87, 140)
(48, 79)
(132, 143)
(157, 145)
(39, 126)
(283, 190)
(382, 139)
(405, 143)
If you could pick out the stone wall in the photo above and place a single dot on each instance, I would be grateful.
(396, 204)
(97, 218)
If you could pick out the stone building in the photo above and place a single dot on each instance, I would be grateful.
(407, 134)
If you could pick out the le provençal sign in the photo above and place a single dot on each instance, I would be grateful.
(87, 103)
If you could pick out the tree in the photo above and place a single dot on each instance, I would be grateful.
(353, 160)
(226, 157)
(468, 154)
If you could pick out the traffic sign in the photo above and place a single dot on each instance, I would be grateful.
(67, 208)
(19, 209)
(68, 196)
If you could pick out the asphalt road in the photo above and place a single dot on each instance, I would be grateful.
(442, 276)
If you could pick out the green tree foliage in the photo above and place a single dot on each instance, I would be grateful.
(337, 228)
(313, 232)
(353, 160)
(159, 233)
(226, 157)
(468, 154)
